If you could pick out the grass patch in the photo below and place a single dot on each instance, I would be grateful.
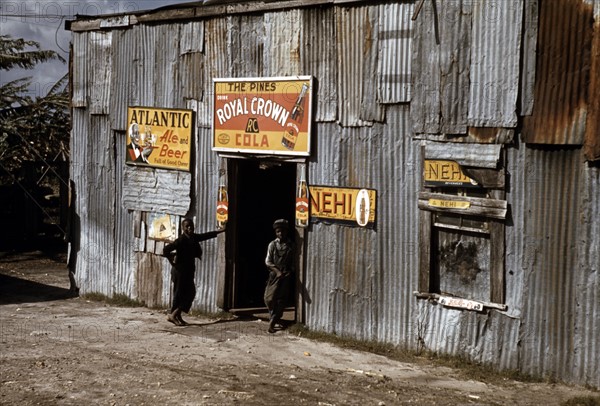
(481, 372)
(582, 401)
(388, 350)
(464, 367)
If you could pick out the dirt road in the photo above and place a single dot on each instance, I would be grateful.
(62, 350)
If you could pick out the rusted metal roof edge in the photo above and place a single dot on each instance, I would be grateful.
(90, 23)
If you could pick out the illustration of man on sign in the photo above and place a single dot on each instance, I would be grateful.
(140, 145)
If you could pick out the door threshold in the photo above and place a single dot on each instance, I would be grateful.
(289, 313)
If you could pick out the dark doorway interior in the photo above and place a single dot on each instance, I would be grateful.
(264, 191)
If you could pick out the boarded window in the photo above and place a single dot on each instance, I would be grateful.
(462, 222)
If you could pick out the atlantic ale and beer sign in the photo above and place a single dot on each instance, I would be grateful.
(263, 115)
(160, 138)
(347, 206)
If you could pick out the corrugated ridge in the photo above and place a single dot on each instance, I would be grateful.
(561, 92)
(319, 59)
(495, 56)
(395, 46)
(281, 49)
(549, 308)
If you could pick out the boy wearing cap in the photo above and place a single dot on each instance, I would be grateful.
(280, 261)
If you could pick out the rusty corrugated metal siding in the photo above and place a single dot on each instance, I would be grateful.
(587, 285)
(359, 282)
(79, 70)
(364, 275)
(319, 59)
(122, 85)
(100, 71)
(395, 52)
(396, 260)
(591, 146)
(554, 267)
(440, 68)
(466, 63)
(92, 166)
(166, 80)
(155, 190)
(528, 56)
(562, 78)
(215, 65)
(144, 63)
(283, 39)
(205, 189)
(495, 59)
(191, 57)
(356, 34)
(126, 245)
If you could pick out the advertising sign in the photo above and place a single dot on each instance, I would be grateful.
(445, 173)
(346, 206)
(449, 204)
(460, 303)
(160, 138)
(162, 227)
(263, 115)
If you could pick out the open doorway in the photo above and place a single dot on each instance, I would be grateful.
(261, 191)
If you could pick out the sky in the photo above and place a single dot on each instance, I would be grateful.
(44, 21)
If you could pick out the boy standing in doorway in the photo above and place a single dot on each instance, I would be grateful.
(280, 261)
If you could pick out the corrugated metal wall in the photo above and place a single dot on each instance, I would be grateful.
(359, 282)
(563, 67)
(366, 276)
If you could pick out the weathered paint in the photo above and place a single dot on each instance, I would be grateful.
(528, 56)
(563, 74)
(319, 59)
(356, 32)
(395, 53)
(591, 147)
(495, 63)
(154, 190)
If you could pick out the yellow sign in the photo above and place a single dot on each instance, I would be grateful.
(449, 204)
(445, 173)
(159, 138)
(343, 205)
(263, 115)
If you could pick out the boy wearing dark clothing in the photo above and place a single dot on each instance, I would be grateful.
(182, 254)
(280, 261)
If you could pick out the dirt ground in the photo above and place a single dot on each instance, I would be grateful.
(57, 349)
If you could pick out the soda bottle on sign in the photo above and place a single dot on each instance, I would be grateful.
(362, 212)
(222, 207)
(297, 114)
(302, 203)
(290, 135)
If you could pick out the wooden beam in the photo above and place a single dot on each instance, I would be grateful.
(417, 10)
(474, 206)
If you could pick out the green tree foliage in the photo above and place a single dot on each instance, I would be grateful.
(34, 131)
